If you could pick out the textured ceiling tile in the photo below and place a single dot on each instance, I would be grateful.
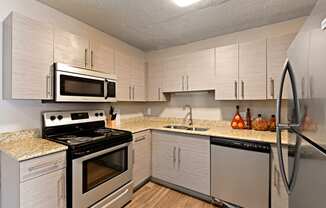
(157, 24)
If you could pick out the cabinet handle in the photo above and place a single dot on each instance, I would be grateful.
(129, 92)
(183, 83)
(236, 89)
(272, 88)
(179, 157)
(133, 156)
(92, 58)
(159, 93)
(242, 89)
(187, 82)
(133, 93)
(86, 51)
(303, 84)
(311, 89)
(174, 156)
(140, 139)
(46, 166)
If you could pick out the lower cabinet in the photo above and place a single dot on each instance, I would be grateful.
(181, 159)
(279, 196)
(142, 168)
(34, 183)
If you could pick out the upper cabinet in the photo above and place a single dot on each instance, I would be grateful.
(189, 72)
(71, 49)
(200, 70)
(78, 51)
(276, 55)
(28, 58)
(252, 70)
(102, 57)
(155, 80)
(227, 73)
(131, 77)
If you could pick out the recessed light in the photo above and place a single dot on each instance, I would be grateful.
(185, 3)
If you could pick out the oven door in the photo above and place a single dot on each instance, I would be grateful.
(97, 175)
(74, 87)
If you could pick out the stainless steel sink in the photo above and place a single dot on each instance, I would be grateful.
(197, 129)
(176, 127)
(186, 128)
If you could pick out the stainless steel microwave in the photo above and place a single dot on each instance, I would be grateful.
(72, 84)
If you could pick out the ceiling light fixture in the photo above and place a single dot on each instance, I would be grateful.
(185, 3)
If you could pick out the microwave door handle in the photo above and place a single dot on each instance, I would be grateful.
(106, 89)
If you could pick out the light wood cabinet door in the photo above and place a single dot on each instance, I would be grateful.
(102, 57)
(200, 70)
(123, 64)
(252, 70)
(142, 169)
(164, 157)
(138, 80)
(45, 191)
(176, 74)
(276, 56)
(28, 58)
(193, 155)
(155, 79)
(71, 49)
(227, 73)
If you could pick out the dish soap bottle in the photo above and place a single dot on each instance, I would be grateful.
(237, 121)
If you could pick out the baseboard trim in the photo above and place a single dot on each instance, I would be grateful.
(141, 184)
(183, 190)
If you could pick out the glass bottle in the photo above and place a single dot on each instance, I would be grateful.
(248, 119)
(237, 121)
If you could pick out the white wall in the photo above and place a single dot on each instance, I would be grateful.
(15, 115)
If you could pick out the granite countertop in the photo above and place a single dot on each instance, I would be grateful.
(216, 128)
(27, 144)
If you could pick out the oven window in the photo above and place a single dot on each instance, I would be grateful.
(77, 86)
(103, 168)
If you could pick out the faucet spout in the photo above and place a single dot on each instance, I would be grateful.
(190, 122)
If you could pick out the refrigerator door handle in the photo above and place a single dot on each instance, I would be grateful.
(289, 184)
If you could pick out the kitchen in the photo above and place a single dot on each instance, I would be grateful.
(112, 104)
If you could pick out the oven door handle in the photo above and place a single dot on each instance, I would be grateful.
(89, 155)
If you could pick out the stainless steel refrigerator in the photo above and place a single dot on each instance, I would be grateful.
(303, 159)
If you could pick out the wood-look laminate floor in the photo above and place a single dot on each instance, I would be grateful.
(152, 195)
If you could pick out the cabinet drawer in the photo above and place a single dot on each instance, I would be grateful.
(39, 166)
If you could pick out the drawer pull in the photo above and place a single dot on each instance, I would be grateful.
(140, 139)
(45, 165)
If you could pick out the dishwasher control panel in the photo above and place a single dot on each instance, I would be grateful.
(241, 144)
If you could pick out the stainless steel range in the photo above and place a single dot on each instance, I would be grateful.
(99, 170)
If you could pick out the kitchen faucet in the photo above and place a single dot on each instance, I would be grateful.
(188, 114)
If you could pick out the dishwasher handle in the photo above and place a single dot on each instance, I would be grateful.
(241, 144)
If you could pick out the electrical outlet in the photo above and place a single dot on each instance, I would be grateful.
(149, 111)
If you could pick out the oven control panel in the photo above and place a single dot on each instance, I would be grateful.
(60, 118)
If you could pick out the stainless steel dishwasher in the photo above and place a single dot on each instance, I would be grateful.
(240, 173)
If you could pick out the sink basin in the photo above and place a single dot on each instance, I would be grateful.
(197, 129)
(176, 127)
(186, 128)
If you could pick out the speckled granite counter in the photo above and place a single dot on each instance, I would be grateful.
(27, 144)
(216, 128)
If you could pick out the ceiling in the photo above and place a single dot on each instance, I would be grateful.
(157, 24)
